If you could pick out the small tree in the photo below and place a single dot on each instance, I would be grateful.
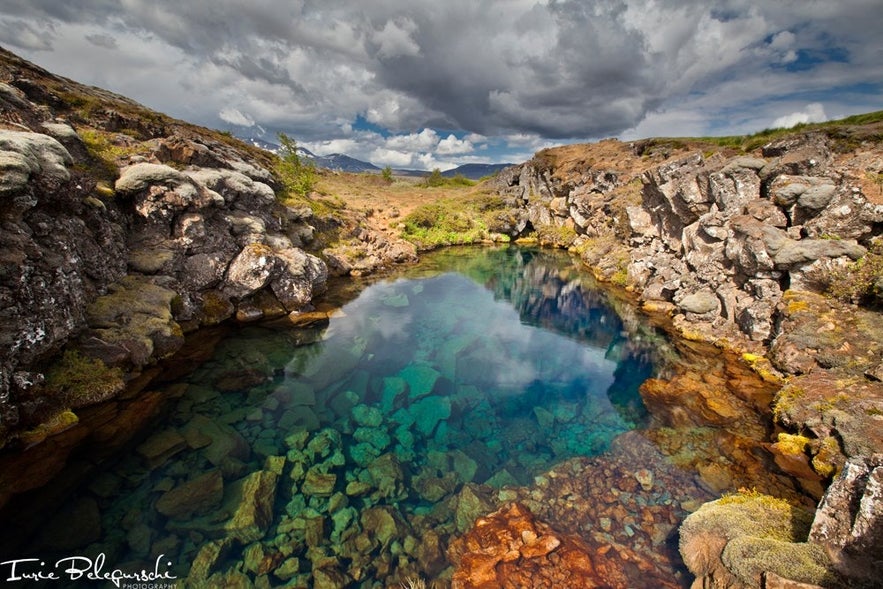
(299, 176)
(386, 174)
(435, 178)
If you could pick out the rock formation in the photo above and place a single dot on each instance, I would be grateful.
(739, 250)
(123, 230)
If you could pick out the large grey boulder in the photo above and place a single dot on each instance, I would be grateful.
(26, 157)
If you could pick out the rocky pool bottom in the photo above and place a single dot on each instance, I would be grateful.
(371, 449)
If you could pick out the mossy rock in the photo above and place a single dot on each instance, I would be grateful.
(749, 519)
(134, 322)
(59, 422)
(749, 557)
(80, 380)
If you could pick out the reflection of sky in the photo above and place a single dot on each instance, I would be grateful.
(512, 355)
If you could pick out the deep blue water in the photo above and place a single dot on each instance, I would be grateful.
(482, 366)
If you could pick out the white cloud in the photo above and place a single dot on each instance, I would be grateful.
(813, 113)
(425, 140)
(391, 157)
(101, 40)
(450, 145)
(235, 117)
(427, 161)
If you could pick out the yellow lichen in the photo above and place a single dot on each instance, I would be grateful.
(59, 422)
(827, 457)
(792, 444)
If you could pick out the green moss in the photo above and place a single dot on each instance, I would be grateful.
(620, 277)
(59, 422)
(857, 283)
(750, 513)
(748, 558)
(786, 400)
(556, 235)
(81, 380)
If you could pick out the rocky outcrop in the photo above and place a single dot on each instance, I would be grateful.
(739, 251)
(753, 540)
(119, 244)
(718, 238)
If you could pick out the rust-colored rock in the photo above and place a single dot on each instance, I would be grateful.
(511, 548)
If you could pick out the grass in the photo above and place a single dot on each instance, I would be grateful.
(859, 282)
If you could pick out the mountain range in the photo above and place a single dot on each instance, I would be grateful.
(344, 163)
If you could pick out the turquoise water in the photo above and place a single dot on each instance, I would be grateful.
(323, 456)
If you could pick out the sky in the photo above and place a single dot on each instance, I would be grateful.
(439, 83)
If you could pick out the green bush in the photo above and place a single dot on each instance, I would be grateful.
(436, 179)
(298, 176)
(861, 281)
(386, 174)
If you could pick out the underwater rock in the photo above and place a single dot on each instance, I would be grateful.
(374, 436)
(318, 484)
(78, 526)
(251, 503)
(330, 578)
(511, 548)
(367, 416)
(226, 443)
(429, 411)
(208, 557)
(433, 488)
(394, 387)
(384, 523)
(288, 569)
(388, 477)
(194, 496)
(470, 503)
(420, 378)
(158, 448)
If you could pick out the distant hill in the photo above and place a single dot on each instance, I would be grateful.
(475, 171)
(344, 163)
(471, 171)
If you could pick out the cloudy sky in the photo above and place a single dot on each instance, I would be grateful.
(437, 83)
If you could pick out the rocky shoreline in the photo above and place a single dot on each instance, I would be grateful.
(124, 231)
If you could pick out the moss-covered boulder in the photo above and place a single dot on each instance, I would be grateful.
(734, 541)
(133, 323)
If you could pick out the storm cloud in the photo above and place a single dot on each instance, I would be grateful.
(373, 70)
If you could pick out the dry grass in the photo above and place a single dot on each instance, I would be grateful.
(385, 204)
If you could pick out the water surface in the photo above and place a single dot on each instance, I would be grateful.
(338, 454)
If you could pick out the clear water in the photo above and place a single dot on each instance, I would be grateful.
(484, 366)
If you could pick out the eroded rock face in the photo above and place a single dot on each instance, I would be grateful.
(122, 272)
(741, 230)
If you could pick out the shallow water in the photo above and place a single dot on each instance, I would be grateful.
(326, 456)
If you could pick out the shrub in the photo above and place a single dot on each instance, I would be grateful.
(298, 176)
(860, 282)
(386, 174)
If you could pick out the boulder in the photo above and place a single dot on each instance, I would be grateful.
(733, 541)
(26, 157)
(250, 500)
(849, 520)
(199, 494)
